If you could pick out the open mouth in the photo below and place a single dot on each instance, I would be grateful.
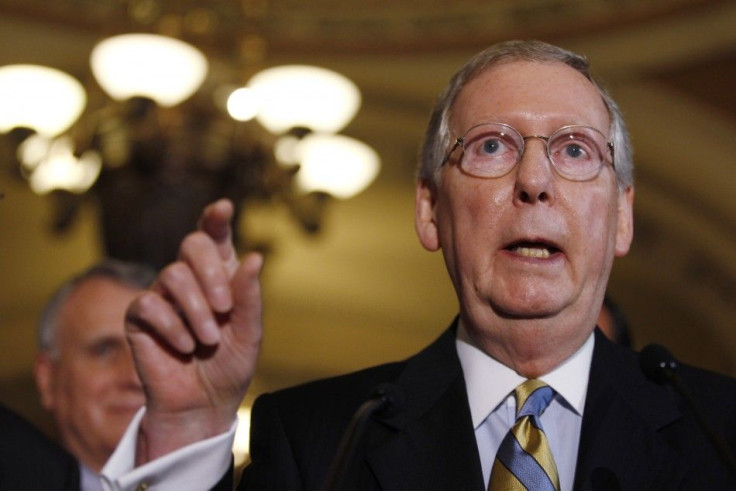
(537, 250)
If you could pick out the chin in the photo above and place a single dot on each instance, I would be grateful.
(533, 307)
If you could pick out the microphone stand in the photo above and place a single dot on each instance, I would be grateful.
(660, 366)
(383, 399)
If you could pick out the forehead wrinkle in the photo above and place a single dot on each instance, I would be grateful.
(535, 103)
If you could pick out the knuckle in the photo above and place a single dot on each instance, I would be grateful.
(174, 273)
(211, 273)
(142, 302)
(141, 310)
(138, 306)
(192, 243)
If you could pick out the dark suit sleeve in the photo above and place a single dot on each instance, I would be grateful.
(28, 460)
(272, 463)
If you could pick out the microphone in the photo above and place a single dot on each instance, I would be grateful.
(660, 366)
(386, 400)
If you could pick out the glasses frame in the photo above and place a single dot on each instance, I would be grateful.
(460, 141)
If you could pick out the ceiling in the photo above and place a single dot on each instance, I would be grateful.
(364, 291)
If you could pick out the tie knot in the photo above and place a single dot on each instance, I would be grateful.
(532, 398)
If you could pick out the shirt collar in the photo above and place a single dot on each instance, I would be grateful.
(569, 379)
(89, 479)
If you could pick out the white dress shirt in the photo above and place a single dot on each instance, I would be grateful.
(89, 479)
(198, 466)
(490, 387)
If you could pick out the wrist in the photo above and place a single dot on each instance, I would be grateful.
(161, 433)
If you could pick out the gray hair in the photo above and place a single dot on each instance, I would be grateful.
(133, 275)
(437, 137)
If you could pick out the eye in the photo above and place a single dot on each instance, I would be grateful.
(491, 146)
(573, 148)
(575, 151)
(104, 348)
(495, 145)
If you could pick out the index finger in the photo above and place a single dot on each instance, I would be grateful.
(215, 221)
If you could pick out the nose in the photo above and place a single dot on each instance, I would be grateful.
(534, 174)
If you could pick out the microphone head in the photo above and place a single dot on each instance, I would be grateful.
(391, 397)
(657, 363)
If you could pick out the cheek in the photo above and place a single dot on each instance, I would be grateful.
(91, 382)
(468, 210)
(468, 219)
(71, 392)
(598, 222)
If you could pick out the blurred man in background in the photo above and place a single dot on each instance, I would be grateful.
(84, 369)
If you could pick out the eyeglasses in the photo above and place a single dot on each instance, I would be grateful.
(491, 150)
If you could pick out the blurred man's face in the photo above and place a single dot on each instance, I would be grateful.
(91, 385)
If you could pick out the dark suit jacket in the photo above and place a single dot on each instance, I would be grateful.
(31, 462)
(636, 435)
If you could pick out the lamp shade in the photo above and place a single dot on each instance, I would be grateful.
(43, 99)
(51, 164)
(336, 164)
(300, 95)
(161, 68)
(242, 104)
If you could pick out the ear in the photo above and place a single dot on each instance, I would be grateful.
(625, 226)
(425, 221)
(43, 371)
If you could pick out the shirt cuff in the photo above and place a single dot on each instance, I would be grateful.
(198, 466)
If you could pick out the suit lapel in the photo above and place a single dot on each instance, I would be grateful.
(434, 445)
(619, 444)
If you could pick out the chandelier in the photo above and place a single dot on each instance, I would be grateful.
(151, 142)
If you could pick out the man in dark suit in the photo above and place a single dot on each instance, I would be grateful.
(526, 187)
(635, 434)
(30, 461)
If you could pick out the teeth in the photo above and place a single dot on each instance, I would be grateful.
(536, 252)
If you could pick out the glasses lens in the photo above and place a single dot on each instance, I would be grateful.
(577, 151)
(490, 150)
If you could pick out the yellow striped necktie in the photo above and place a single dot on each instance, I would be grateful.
(524, 460)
